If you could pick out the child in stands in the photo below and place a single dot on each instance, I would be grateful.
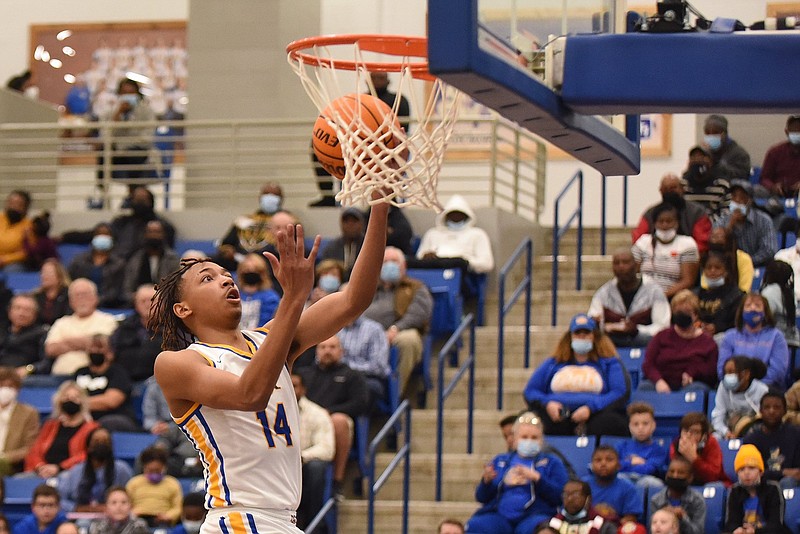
(157, 498)
(699, 447)
(738, 397)
(665, 521)
(46, 513)
(615, 498)
(778, 441)
(684, 502)
(118, 518)
(642, 459)
(577, 515)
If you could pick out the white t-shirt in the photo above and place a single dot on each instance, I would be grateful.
(664, 265)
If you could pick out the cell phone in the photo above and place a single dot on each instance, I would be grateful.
(565, 412)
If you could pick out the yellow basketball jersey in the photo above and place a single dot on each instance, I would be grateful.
(250, 459)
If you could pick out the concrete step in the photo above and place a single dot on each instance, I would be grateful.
(487, 438)
(423, 516)
(460, 475)
(485, 396)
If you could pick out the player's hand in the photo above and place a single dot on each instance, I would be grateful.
(581, 415)
(553, 410)
(294, 272)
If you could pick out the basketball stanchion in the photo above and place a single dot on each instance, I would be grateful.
(360, 140)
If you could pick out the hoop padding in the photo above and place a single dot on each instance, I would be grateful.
(405, 165)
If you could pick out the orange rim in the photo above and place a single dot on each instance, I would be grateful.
(394, 45)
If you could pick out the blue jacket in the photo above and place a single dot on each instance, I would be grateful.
(30, 525)
(615, 385)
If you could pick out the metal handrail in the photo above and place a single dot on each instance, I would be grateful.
(558, 233)
(444, 391)
(526, 285)
(404, 453)
(320, 517)
(603, 200)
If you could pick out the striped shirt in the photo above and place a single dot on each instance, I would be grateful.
(664, 264)
(756, 235)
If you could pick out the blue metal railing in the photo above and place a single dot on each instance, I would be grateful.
(320, 517)
(444, 391)
(603, 210)
(558, 233)
(404, 453)
(504, 307)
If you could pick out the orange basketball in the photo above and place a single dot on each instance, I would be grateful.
(362, 112)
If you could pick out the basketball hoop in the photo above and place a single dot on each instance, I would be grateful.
(330, 67)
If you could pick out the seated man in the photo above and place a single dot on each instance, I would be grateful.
(155, 260)
(343, 392)
(14, 227)
(403, 307)
(346, 247)
(100, 265)
(631, 308)
(72, 337)
(781, 170)
(751, 227)
(702, 186)
(135, 347)
(692, 217)
(367, 351)
(729, 160)
(22, 341)
(128, 230)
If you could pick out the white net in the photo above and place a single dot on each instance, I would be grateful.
(404, 164)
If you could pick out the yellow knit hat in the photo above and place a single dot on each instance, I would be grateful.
(748, 456)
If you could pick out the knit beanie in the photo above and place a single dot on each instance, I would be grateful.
(748, 456)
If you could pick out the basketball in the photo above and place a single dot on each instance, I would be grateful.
(364, 114)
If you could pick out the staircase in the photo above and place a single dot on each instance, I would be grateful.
(461, 471)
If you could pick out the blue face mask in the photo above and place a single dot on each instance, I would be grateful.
(131, 100)
(329, 283)
(102, 242)
(735, 206)
(528, 448)
(270, 203)
(715, 282)
(713, 141)
(581, 346)
(456, 226)
(753, 318)
(574, 517)
(730, 381)
(794, 138)
(390, 272)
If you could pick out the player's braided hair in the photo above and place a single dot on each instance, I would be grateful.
(175, 334)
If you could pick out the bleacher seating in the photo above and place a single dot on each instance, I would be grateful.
(40, 398)
(128, 445)
(715, 496)
(67, 252)
(792, 511)
(671, 407)
(729, 449)
(632, 359)
(18, 496)
(203, 245)
(576, 449)
(22, 282)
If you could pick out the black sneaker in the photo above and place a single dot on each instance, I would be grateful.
(338, 491)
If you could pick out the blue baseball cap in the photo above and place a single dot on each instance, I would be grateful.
(582, 322)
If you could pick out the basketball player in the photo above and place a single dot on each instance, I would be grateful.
(230, 390)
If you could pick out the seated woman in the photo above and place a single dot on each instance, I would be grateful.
(778, 288)
(720, 298)
(61, 442)
(740, 267)
(670, 259)
(682, 356)
(51, 296)
(583, 387)
(755, 335)
(738, 397)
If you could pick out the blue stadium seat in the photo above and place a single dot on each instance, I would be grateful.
(358, 452)
(190, 485)
(632, 359)
(792, 511)
(755, 175)
(67, 252)
(22, 282)
(729, 449)
(758, 276)
(671, 407)
(18, 496)
(577, 449)
(203, 245)
(389, 404)
(714, 494)
(40, 398)
(477, 285)
(128, 445)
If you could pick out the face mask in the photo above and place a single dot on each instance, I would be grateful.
(697, 170)
(390, 272)
(154, 478)
(41, 226)
(329, 283)
(735, 206)
(665, 236)
(154, 243)
(269, 203)
(7, 395)
(192, 527)
(100, 452)
(70, 407)
(717, 247)
(456, 226)
(140, 208)
(129, 99)
(753, 318)
(715, 282)
(713, 141)
(102, 242)
(581, 346)
(251, 279)
(682, 320)
(676, 199)
(677, 484)
(730, 381)
(97, 358)
(31, 92)
(574, 517)
(13, 216)
(528, 448)
(794, 138)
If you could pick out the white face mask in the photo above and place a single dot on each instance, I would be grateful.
(665, 236)
(31, 92)
(7, 395)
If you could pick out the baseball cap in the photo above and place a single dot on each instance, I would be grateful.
(744, 185)
(582, 322)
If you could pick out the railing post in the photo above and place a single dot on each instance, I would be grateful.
(603, 214)
(493, 165)
(471, 388)
(580, 232)
(439, 426)
(554, 282)
(501, 328)
(528, 293)
(625, 201)
(407, 469)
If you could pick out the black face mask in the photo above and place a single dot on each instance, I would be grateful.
(14, 216)
(70, 407)
(251, 279)
(677, 484)
(682, 319)
(140, 209)
(717, 247)
(675, 199)
(101, 452)
(154, 243)
(97, 358)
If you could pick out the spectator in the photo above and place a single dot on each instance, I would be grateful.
(755, 335)
(614, 497)
(583, 388)
(19, 424)
(729, 160)
(183, 460)
(157, 498)
(577, 513)
(346, 247)
(740, 266)
(682, 356)
(643, 460)
(46, 514)
(700, 448)
(781, 170)
(117, 518)
(5, 528)
(316, 451)
(61, 442)
(22, 342)
(380, 81)
(156, 418)
(68, 527)
(778, 441)
(720, 298)
(52, 295)
(670, 259)
(38, 245)
(109, 389)
(702, 186)
(259, 300)
(343, 392)
(755, 504)
(154, 261)
(403, 307)
(751, 227)
(21, 82)
(692, 218)
(507, 429)
(398, 231)
(129, 230)
(450, 526)
(72, 337)
(665, 521)
(193, 514)
(679, 498)
(519, 489)
(329, 276)
(630, 308)
(84, 487)
(134, 346)
(366, 350)
(252, 233)
(102, 267)
(779, 289)
(14, 227)
(738, 397)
